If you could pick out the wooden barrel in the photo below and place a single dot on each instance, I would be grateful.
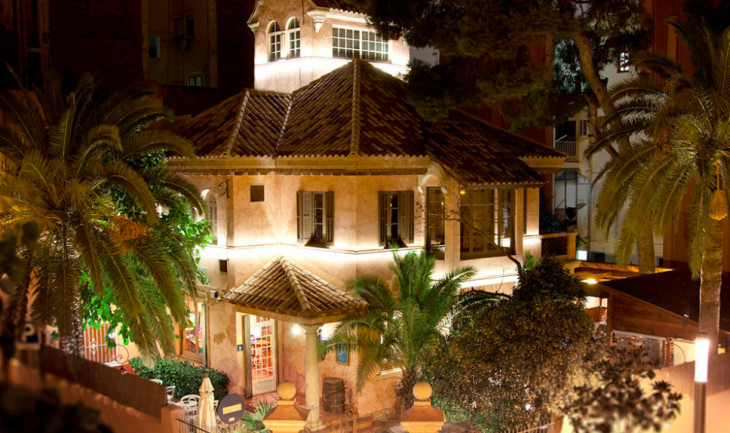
(333, 395)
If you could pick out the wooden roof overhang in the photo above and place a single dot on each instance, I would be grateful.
(284, 290)
(664, 304)
(314, 165)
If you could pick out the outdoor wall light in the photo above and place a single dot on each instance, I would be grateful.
(296, 329)
(590, 281)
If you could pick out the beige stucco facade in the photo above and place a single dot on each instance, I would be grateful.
(250, 234)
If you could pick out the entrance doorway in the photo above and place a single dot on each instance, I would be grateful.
(262, 355)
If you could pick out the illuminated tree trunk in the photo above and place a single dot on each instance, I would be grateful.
(710, 284)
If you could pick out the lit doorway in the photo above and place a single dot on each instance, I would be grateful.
(260, 354)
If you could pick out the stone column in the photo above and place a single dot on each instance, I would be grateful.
(311, 376)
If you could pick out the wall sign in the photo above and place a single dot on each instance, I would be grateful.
(231, 408)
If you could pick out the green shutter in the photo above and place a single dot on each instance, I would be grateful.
(381, 216)
(330, 215)
(405, 216)
(304, 216)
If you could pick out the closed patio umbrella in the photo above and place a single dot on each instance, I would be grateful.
(206, 412)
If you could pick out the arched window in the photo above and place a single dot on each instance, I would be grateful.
(212, 215)
(295, 40)
(274, 41)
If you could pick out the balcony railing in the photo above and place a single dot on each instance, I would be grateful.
(569, 147)
(559, 245)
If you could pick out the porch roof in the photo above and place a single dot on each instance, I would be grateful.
(284, 290)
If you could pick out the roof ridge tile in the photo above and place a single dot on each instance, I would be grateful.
(294, 280)
(228, 146)
(356, 101)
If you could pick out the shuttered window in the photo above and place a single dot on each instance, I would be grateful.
(212, 215)
(395, 217)
(315, 218)
(435, 233)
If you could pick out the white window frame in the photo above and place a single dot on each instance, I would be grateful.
(293, 36)
(359, 52)
(274, 41)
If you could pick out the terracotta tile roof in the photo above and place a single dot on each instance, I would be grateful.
(247, 124)
(356, 109)
(284, 287)
(673, 291)
(361, 110)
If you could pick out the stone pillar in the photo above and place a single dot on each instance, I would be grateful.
(422, 418)
(287, 417)
(311, 376)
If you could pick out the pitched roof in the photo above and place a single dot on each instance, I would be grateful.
(360, 110)
(285, 288)
(673, 291)
(248, 123)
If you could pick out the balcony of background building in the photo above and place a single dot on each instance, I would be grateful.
(568, 147)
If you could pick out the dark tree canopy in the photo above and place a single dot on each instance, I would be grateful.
(510, 361)
(492, 50)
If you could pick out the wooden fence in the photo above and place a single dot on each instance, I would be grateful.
(127, 389)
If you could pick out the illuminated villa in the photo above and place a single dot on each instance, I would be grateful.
(311, 176)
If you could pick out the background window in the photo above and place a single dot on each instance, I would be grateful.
(358, 44)
(486, 222)
(395, 217)
(623, 62)
(274, 42)
(315, 217)
(154, 47)
(295, 41)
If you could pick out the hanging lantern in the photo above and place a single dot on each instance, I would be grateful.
(718, 205)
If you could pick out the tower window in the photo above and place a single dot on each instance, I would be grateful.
(274, 42)
(295, 40)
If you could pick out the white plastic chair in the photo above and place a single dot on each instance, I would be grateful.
(170, 392)
(157, 381)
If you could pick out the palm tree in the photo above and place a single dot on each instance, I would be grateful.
(69, 159)
(679, 158)
(401, 322)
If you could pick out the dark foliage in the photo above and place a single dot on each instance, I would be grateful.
(186, 376)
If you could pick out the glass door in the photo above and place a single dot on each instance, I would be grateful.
(263, 355)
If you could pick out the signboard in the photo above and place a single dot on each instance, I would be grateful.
(231, 408)
(30, 339)
(341, 354)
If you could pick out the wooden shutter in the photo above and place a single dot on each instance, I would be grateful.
(304, 216)
(405, 216)
(329, 204)
(381, 216)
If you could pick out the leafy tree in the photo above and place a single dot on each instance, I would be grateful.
(488, 56)
(400, 323)
(513, 361)
(681, 137)
(68, 158)
(614, 400)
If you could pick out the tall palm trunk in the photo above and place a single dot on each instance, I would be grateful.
(710, 284)
(404, 391)
(645, 246)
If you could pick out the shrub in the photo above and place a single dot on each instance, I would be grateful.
(186, 376)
